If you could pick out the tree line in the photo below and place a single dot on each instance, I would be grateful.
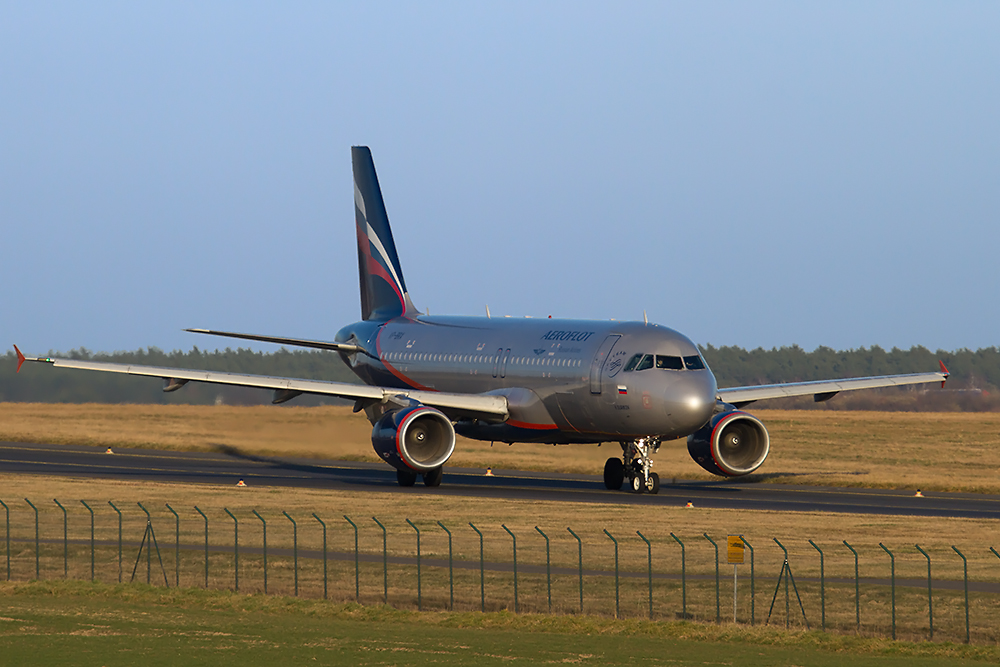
(972, 387)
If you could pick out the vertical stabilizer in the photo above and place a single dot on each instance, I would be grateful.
(383, 290)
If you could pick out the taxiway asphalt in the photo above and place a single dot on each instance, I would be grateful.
(228, 467)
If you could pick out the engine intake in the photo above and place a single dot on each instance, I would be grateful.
(414, 439)
(731, 444)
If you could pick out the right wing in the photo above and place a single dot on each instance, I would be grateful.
(823, 390)
(455, 406)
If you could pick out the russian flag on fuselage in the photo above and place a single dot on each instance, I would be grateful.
(383, 290)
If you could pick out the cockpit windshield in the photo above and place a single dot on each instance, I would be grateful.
(641, 362)
(694, 363)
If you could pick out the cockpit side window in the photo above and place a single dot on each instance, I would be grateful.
(694, 363)
(669, 363)
(630, 366)
(645, 362)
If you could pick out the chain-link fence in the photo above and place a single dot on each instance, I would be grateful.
(906, 591)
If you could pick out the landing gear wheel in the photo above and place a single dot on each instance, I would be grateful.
(614, 474)
(653, 483)
(637, 485)
(433, 477)
(406, 477)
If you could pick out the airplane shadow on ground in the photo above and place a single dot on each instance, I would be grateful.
(235, 452)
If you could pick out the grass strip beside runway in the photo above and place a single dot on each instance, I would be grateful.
(72, 623)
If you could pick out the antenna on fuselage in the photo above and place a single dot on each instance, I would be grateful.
(487, 311)
(645, 320)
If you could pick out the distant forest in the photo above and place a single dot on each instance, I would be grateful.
(972, 387)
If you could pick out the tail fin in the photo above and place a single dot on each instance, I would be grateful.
(383, 290)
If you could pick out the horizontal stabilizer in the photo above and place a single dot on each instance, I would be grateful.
(281, 340)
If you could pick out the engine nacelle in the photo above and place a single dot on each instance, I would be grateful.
(731, 444)
(417, 439)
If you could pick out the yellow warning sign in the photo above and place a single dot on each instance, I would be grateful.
(735, 549)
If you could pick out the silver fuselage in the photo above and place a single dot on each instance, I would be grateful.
(565, 380)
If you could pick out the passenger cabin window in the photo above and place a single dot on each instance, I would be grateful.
(694, 363)
(669, 363)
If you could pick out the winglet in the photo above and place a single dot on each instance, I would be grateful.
(944, 369)
(20, 359)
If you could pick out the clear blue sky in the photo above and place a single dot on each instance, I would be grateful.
(753, 174)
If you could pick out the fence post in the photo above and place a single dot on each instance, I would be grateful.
(649, 553)
(684, 595)
(419, 591)
(857, 588)
(451, 572)
(119, 540)
(236, 548)
(177, 546)
(324, 552)
(357, 585)
(84, 503)
(37, 565)
(893, 580)
(385, 564)
(265, 547)
(517, 607)
(822, 585)
(930, 601)
(65, 539)
(7, 510)
(718, 615)
(482, 585)
(617, 604)
(149, 546)
(579, 545)
(206, 541)
(752, 598)
(548, 566)
(965, 573)
(295, 549)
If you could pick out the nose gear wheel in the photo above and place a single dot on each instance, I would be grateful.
(635, 466)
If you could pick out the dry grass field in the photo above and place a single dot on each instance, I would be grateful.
(931, 451)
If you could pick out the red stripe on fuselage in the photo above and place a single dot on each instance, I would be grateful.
(537, 427)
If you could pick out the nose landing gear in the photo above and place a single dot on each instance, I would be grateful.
(635, 466)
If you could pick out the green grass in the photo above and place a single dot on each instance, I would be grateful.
(74, 623)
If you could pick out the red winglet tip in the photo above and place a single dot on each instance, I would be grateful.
(20, 359)
(944, 369)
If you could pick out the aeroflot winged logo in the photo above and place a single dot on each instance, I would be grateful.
(383, 290)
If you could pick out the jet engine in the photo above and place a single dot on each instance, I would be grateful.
(731, 444)
(417, 439)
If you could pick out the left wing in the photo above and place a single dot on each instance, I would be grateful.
(824, 390)
(480, 406)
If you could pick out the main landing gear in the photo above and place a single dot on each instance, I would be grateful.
(409, 478)
(634, 466)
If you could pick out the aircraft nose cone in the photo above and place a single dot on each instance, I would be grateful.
(692, 400)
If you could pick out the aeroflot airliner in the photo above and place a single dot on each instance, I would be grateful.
(516, 380)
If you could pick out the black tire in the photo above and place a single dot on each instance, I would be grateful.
(614, 474)
(406, 477)
(653, 485)
(433, 477)
(638, 486)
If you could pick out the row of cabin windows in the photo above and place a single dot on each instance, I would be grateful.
(641, 362)
(477, 359)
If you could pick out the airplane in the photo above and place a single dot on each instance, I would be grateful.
(526, 380)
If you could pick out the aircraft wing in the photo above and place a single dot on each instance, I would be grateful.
(824, 390)
(482, 406)
(281, 340)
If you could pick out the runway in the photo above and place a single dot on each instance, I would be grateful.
(226, 468)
